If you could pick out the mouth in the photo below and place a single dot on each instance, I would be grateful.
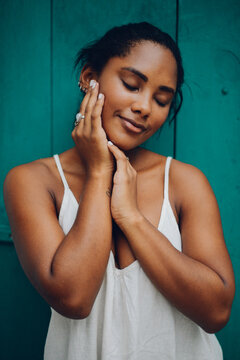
(132, 125)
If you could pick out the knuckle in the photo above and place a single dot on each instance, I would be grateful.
(85, 135)
(125, 177)
(76, 137)
(128, 180)
(94, 115)
(133, 177)
(94, 137)
(88, 109)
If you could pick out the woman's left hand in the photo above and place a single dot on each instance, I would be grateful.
(124, 193)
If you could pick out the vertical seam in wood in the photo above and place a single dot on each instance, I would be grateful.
(175, 120)
(51, 77)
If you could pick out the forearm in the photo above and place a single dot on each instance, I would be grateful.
(194, 288)
(80, 261)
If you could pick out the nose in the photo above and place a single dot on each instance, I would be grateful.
(142, 105)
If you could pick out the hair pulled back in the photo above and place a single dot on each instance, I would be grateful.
(118, 41)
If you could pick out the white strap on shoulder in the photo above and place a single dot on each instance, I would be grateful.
(166, 176)
(59, 166)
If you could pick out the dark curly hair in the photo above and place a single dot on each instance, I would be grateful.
(119, 40)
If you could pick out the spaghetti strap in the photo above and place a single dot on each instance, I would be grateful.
(59, 166)
(166, 177)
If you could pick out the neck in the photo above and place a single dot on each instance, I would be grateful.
(134, 155)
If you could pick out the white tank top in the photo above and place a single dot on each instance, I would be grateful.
(130, 318)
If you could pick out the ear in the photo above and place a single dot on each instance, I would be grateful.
(87, 74)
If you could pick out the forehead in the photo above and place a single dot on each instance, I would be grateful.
(153, 60)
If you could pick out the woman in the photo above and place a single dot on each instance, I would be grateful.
(124, 244)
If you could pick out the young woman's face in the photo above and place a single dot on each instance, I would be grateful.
(138, 89)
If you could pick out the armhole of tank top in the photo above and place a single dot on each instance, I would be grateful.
(65, 185)
(60, 170)
(166, 202)
(166, 178)
(166, 189)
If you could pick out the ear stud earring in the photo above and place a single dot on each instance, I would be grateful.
(81, 87)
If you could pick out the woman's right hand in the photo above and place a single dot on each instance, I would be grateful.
(90, 138)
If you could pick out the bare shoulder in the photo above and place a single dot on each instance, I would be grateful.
(189, 183)
(38, 174)
(29, 193)
(193, 197)
(187, 172)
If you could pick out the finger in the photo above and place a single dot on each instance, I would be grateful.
(97, 112)
(78, 128)
(119, 154)
(89, 108)
(121, 159)
(82, 108)
(84, 102)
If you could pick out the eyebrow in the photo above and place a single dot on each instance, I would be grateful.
(145, 79)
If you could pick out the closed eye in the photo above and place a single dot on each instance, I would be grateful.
(133, 88)
(160, 104)
(129, 87)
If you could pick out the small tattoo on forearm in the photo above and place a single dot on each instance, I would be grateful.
(109, 192)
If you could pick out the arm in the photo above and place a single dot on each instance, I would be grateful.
(199, 281)
(66, 270)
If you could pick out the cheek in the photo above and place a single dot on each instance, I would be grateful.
(160, 118)
(115, 100)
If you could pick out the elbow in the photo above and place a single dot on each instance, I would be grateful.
(72, 308)
(67, 300)
(72, 304)
(75, 313)
(219, 314)
(217, 318)
(217, 321)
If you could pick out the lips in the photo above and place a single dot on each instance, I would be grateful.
(132, 125)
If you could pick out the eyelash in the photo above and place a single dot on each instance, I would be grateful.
(132, 88)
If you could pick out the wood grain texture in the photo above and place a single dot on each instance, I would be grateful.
(208, 126)
(25, 125)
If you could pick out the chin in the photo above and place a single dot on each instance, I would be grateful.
(124, 139)
(123, 142)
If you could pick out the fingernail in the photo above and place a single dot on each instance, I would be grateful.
(92, 84)
(110, 143)
(100, 96)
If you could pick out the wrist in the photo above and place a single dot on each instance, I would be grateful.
(99, 174)
(101, 181)
(130, 220)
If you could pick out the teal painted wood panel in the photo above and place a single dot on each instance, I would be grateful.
(24, 315)
(208, 127)
(25, 125)
(25, 135)
(75, 23)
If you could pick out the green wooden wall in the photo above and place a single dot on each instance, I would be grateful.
(39, 98)
(208, 128)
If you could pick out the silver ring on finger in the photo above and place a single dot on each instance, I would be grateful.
(79, 117)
